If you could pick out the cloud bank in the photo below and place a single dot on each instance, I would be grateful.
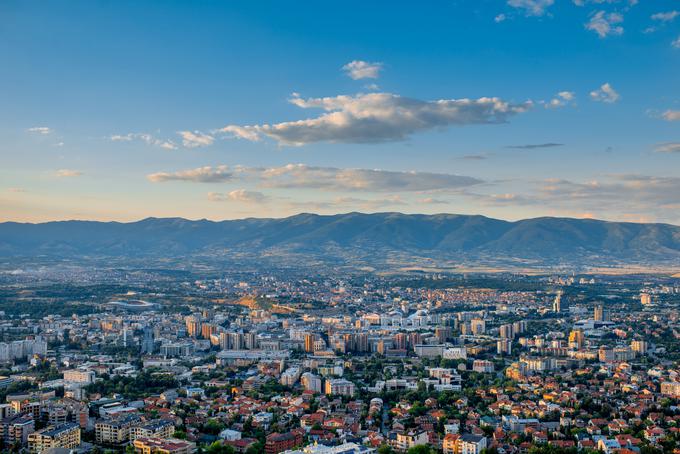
(301, 176)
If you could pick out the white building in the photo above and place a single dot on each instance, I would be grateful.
(340, 387)
(79, 376)
(472, 444)
(311, 382)
(290, 376)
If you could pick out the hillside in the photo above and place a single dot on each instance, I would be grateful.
(369, 238)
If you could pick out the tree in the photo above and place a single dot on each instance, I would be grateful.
(212, 427)
(492, 450)
(219, 448)
(420, 449)
(255, 448)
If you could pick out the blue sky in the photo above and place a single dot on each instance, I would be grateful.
(119, 110)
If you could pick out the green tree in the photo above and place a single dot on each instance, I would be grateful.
(420, 449)
(219, 448)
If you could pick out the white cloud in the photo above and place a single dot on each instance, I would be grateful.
(241, 132)
(195, 139)
(68, 173)
(348, 203)
(532, 7)
(605, 93)
(671, 115)
(238, 195)
(561, 99)
(146, 138)
(301, 176)
(207, 174)
(44, 130)
(378, 117)
(622, 197)
(601, 2)
(676, 43)
(359, 69)
(665, 17)
(642, 192)
(668, 147)
(122, 138)
(500, 18)
(432, 201)
(604, 24)
(335, 179)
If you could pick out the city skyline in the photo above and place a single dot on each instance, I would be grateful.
(517, 109)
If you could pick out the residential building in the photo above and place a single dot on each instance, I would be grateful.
(65, 435)
(163, 446)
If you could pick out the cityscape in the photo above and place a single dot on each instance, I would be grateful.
(299, 362)
(358, 227)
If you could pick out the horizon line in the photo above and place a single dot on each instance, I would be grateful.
(303, 213)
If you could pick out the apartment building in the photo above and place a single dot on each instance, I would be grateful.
(66, 435)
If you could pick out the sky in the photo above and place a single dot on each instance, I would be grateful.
(121, 110)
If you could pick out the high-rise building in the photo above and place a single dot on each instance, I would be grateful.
(207, 330)
(600, 314)
(148, 344)
(309, 342)
(557, 303)
(380, 347)
(207, 314)
(442, 333)
(506, 331)
(224, 340)
(645, 299)
(477, 326)
(126, 337)
(504, 347)
(319, 345)
(576, 339)
(236, 341)
(361, 342)
(250, 340)
(640, 346)
(193, 324)
(519, 327)
(400, 341)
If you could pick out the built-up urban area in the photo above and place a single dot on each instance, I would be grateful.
(173, 363)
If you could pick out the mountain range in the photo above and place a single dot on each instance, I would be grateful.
(370, 239)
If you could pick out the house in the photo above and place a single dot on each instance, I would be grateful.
(608, 445)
